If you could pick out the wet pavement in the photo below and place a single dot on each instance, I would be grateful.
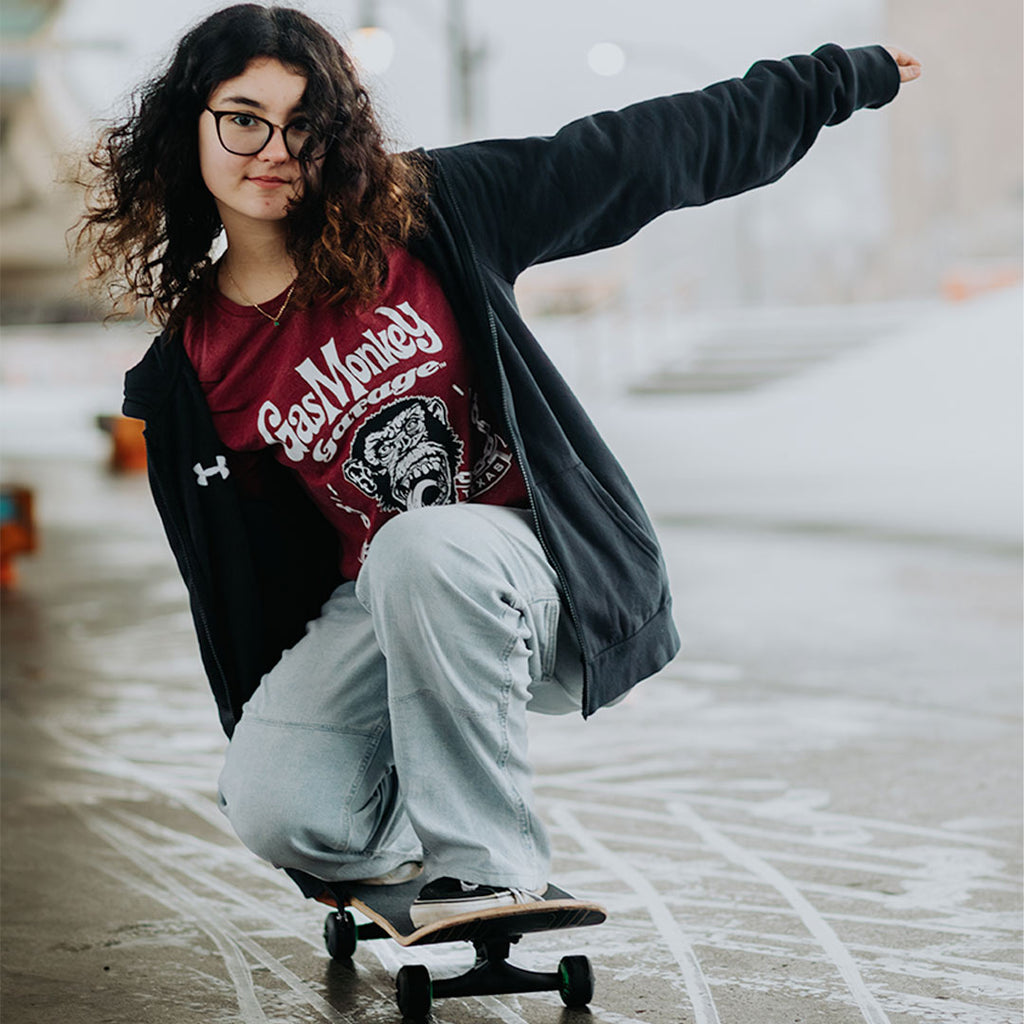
(812, 816)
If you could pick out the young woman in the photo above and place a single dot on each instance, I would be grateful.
(398, 529)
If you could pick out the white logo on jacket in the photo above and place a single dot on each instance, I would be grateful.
(220, 469)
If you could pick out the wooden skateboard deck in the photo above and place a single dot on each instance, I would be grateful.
(388, 906)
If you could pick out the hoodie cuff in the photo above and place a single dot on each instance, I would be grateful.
(871, 78)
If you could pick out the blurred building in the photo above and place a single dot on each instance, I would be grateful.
(950, 169)
(956, 153)
(37, 280)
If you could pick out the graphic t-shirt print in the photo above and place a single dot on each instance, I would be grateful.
(343, 385)
(406, 456)
(375, 411)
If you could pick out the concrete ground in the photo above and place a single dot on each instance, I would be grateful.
(812, 816)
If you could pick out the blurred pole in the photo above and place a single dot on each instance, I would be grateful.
(368, 14)
(465, 61)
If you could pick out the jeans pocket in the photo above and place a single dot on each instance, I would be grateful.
(542, 617)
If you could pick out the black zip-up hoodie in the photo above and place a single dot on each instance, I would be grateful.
(259, 561)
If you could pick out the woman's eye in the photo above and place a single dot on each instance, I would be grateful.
(243, 120)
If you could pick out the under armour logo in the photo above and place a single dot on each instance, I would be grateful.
(203, 475)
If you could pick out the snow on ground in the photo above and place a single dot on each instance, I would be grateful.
(919, 432)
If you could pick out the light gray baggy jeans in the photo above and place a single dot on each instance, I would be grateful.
(395, 729)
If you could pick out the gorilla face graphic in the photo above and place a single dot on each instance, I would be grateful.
(406, 455)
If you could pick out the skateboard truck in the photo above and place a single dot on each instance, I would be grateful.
(492, 937)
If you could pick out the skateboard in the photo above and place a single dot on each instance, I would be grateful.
(492, 933)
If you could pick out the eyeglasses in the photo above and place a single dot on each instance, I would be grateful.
(246, 134)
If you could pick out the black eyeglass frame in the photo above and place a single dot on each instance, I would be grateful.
(319, 142)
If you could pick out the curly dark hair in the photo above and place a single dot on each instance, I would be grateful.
(150, 221)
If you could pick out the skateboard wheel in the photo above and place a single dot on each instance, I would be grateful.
(577, 988)
(340, 935)
(414, 991)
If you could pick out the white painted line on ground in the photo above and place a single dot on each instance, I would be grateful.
(234, 961)
(697, 987)
(907, 924)
(656, 790)
(215, 924)
(499, 1009)
(383, 951)
(991, 881)
(896, 961)
(105, 763)
(814, 922)
(822, 817)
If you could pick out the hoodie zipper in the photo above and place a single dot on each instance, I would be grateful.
(513, 430)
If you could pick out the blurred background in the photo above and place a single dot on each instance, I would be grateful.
(841, 345)
(817, 389)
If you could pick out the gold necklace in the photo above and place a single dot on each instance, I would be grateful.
(275, 320)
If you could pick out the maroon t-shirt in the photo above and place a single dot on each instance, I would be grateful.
(376, 411)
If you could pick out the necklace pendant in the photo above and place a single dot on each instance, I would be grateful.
(275, 320)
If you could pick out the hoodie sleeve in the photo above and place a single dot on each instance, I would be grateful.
(598, 180)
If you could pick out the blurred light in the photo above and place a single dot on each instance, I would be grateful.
(373, 48)
(606, 58)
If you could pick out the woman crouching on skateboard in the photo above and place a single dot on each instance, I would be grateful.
(398, 529)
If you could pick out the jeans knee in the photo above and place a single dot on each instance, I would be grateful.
(258, 825)
(417, 549)
(307, 819)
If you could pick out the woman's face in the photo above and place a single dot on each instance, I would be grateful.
(256, 188)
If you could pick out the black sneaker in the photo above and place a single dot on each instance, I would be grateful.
(445, 898)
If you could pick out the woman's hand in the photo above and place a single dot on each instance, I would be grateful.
(910, 67)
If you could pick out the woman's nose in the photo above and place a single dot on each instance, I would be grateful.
(275, 150)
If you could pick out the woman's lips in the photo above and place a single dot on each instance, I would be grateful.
(268, 182)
